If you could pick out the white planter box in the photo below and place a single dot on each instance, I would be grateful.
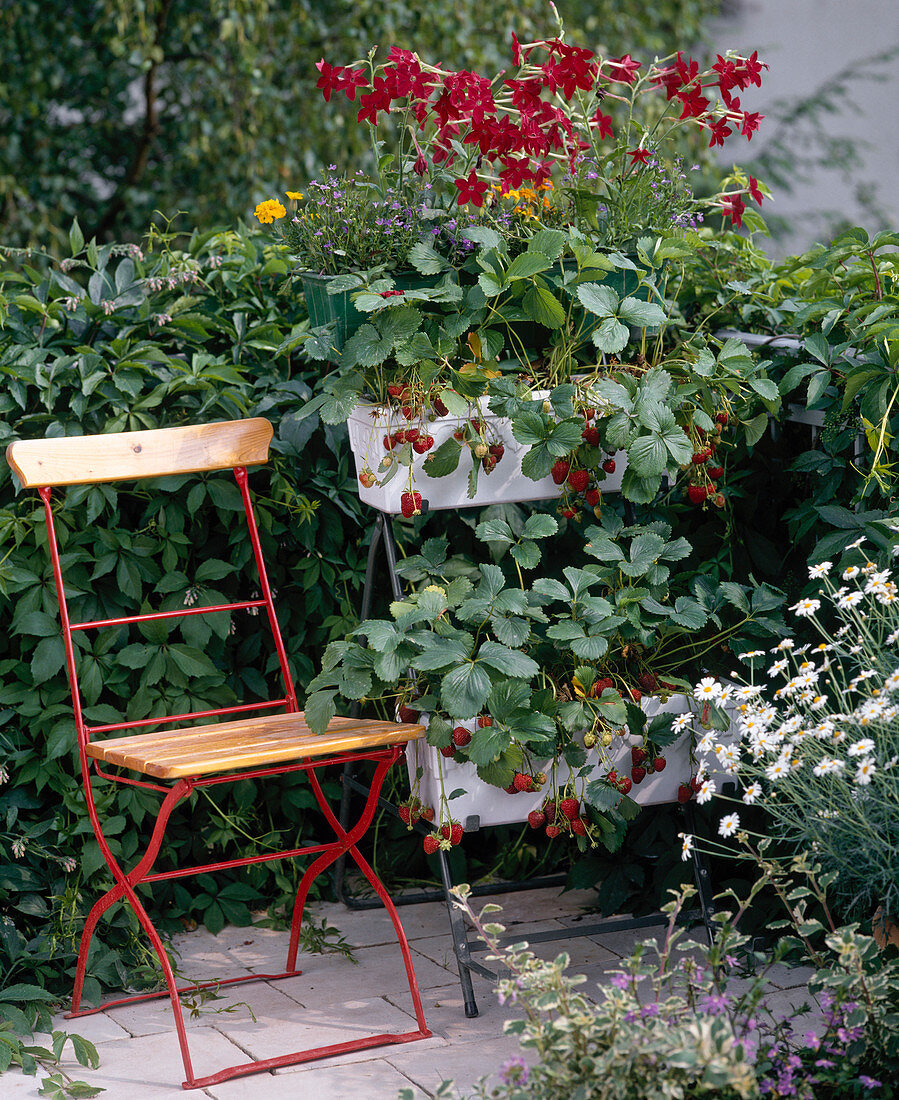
(506, 484)
(492, 806)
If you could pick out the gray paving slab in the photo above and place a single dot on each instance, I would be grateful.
(445, 1012)
(98, 1028)
(149, 1067)
(464, 1065)
(367, 927)
(15, 1085)
(368, 1080)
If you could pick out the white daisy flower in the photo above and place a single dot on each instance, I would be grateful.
(865, 772)
(777, 667)
(855, 545)
(687, 847)
(707, 689)
(681, 722)
(891, 683)
(752, 793)
(705, 792)
(748, 656)
(707, 744)
(818, 702)
(806, 607)
(861, 748)
(851, 571)
(849, 600)
(787, 643)
(729, 825)
(820, 570)
(778, 769)
(827, 766)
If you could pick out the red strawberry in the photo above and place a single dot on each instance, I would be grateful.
(414, 814)
(412, 434)
(570, 808)
(549, 808)
(448, 750)
(591, 436)
(649, 683)
(389, 443)
(410, 504)
(484, 720)
(684, 793)
(367, 478)
(427, 812)
(716, 471)
(593, 497)
(431, 843)
(522, 782)
(552, 831)
(446, 831)
(458, 435)
(589, 413)
(560, 470)
(719, 500)
(695, 784)
(408, 714)
(699, 457)
(461, 736)
(659, 763)
(602, 684)
(721, 418)
(609, 465)
(489, 464)
(439, 407)
(476, 424)
(407, 411)
(569, 513)
(510, 789)
(394, 389)
(497, 450)
(636, 695)
(579, 827)
(624, 784)
(638, 755)
(638, 774)
(579, 480)
(456, 834)
(536, 819)
(405, 813)
(696, 493)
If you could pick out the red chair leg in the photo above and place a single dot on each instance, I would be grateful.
(348, 841)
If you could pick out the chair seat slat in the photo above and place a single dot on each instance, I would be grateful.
(273, 739)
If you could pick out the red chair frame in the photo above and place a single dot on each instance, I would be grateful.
(48, 463)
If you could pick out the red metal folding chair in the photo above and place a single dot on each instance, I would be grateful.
(197, 756)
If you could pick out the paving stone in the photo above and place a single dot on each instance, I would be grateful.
(380, 971)
(98, 1028)
(367, 927)
(368, 1080)
(150, 1067)
(15, 1085)
(789, 977)
(155, 1017)
(465, 1065)
(445, 1012)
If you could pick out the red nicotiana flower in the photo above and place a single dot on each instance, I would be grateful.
(572, 69)
(687, 70)
(623, 70)
(514, 173)
(754, 190)
(378, 99)
(471, 189)
(638, 156)
(748, 70)
(352, 79)
(669, 79)
(330, 79)
(516, 49)
(695, 104)
(719, 131)
(733, 207)
(750, 124)
(603, 123)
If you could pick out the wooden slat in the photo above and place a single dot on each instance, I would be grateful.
(121, 456)
(254, 742)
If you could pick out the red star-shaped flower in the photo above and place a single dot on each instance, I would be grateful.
(471, 189)
(755, 190)
(623, 69)
(602, 123)
(638, 156)
(733, 207)
(330, 79)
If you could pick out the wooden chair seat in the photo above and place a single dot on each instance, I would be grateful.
(250, 742)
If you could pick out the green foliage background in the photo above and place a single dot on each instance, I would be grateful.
(112, 109)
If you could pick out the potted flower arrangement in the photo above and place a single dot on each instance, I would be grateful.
(533, 690)
(548, 228)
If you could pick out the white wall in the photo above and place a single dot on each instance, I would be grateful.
(806, 43)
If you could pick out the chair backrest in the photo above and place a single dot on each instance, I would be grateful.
(121, 456)
(159, 452)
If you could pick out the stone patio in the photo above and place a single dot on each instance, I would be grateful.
(334, 1000)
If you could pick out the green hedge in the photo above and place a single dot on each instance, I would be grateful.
(111, 339)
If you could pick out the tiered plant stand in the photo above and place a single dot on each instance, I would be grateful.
(383, 544)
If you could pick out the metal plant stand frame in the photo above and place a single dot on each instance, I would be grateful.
(382, 537)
